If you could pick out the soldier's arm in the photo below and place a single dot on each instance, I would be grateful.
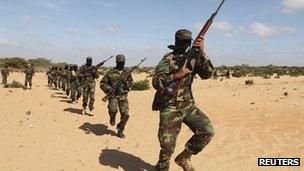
(204, 67)
(104, 83)
(129, 81)
(162, 78)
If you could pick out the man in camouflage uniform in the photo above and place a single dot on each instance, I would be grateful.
(49, 76)
(88, 74)
(68, 84)
(119, 99)
(75, 84)
(65, 77)
(177, 106)
(5, 74)
(59, 78)
(29, 72)
(54, 76)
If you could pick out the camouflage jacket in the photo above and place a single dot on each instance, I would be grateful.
(5, 71)
(87, 74)
(169, 65)
(29, 72)
(111, 78)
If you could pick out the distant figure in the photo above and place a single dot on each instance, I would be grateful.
(88, 74)
(120, 97)
(228, 74)
(75, 84)
(5, 74)
(54, 76)
(49, 76)
(59, 78)
(65, 77)
(29, 72)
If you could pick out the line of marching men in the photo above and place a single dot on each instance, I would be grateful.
(77, 82)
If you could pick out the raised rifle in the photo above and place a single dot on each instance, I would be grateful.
(193, 51)
(120, 82)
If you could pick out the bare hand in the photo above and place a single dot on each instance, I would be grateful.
(199, 43)
(181, 73)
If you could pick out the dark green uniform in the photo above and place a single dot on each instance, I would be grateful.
(29, 72)
(177, 107)
(88, 75)
(5, 74)
(120, 97)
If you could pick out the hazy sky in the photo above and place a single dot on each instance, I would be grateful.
(255, 32)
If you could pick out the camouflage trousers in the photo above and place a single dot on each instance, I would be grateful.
(88, 95)
(76, 91)
(49, 80)
(64, 83)
(4, 79)
(54, 80)
(59, 82)
(28, 80)
(171, 119)
(120, 101)
(68, 88)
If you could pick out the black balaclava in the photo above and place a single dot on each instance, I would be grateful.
(89, 61)
(120, 65)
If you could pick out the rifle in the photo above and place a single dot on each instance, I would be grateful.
(192, 51)
(123, 79)
(96, 67)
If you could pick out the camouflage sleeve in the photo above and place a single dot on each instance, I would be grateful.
(129, 81)
(104, 83)
(80, 72)
(204, 68)
(161, 78)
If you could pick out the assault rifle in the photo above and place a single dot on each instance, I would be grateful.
(193, 51)
(120, 82)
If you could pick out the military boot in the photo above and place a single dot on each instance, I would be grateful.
(183, 160)
(112, 120)
(120, 134)
(84, 111)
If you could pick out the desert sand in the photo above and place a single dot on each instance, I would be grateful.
(41, 131)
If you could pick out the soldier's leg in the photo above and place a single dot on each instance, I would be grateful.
(124, 113)
(85, 96)
(5, 79)
(201, 126)
(64, 83)
(112, 107)
(30, 82)
(79, 92)
(92, 97)
(25, 82)
(169, 128)
(73, 92)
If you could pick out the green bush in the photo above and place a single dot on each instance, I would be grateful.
(15, 62)
(141, 85)
(14, 84)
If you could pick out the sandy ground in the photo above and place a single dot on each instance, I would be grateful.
(41, 131)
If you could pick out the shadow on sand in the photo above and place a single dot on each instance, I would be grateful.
(128, 162)
(73, 110)
(97, 129)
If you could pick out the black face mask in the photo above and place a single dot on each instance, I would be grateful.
(120, 65)
(89, 62)
(181, 46)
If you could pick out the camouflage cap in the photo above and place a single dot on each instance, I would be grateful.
(120, 58)
(183, 34)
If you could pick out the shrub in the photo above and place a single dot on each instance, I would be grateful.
(14, 84)
(141, 85)
(249, 82)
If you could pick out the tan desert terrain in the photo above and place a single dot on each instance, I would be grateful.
(41, 131)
